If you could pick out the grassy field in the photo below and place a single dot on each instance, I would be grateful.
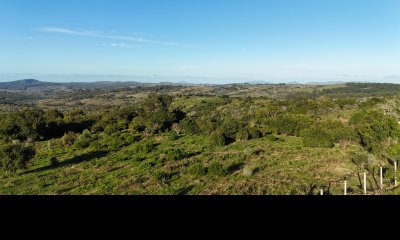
(262, 166)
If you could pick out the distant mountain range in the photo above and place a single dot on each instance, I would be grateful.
(325, 83)
(33, 84)
(27, 84)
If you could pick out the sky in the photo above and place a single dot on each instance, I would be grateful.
(268, 40)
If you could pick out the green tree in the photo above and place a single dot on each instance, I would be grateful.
(15, 156)
(375, 129)
(290, 124)
(154, 114)
(316, 137)
(189, 126)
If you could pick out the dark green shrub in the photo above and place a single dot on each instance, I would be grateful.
(374, 128)
(317, 138)
(130, 139)
(254, 133)
(274, 138)
(175, 154)
(15, 156)
(189, 127)
(84, 139)
(111, 129)
(95, 145)
(229, 127)
(144, 148)
(172, 135)
(339, 131)
(155, 114)
(393, 151)
(218, 139)
(115, 143)
(290, 124)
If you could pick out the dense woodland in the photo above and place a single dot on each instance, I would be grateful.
(297, 141)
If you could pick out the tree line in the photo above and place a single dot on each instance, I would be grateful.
(223, 119)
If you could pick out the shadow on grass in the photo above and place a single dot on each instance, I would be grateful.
(235, 167)
(184, 191)
(75, 160)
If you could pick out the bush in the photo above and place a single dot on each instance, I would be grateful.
(393, 151)
(217, 169)
(172, 135)
(155, 114)
(360, 159)
(290, 124)
(339, 131)
(69, 138)
(317, 138)
(254, 133)
(84, 139)
(391, 174)
(374, 129)
(229, 127)
(175, 154)
(130, 139)
(189, 127)
(111, 129)
(218, 139)
(15, 156)
(274, 138)
(136, 126)
(82, 143)
(242, 135)
(197, 169)
(144, 148)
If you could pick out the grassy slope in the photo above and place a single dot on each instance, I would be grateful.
(284, 167)
(280, 168)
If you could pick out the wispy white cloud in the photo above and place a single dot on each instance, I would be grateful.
(85, 33)
(117, 45)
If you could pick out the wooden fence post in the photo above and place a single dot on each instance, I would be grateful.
(381, 174)
(365, 183)
(395, 173)
(345, 187)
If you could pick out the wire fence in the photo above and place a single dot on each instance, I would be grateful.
(377, 186)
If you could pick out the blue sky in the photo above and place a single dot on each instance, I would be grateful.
(271, 40)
